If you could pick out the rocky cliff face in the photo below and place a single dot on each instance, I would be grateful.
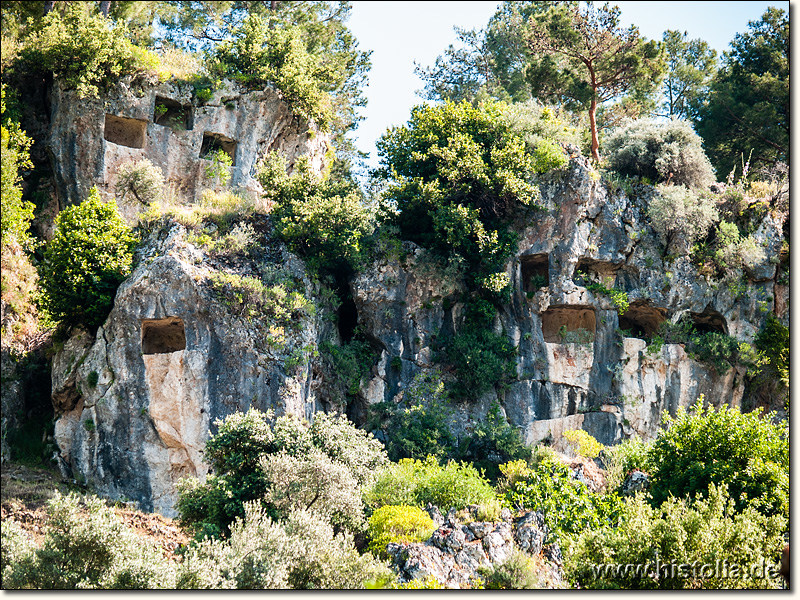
(91, 139)
(608, 384)
(137, 400)
(192, 337)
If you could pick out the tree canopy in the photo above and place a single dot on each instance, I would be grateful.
(748, 106)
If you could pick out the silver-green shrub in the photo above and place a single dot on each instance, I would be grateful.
(680, 216)
(141, 179)
(661, 152)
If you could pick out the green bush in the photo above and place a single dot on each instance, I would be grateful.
(456, 174)
(398, 524)
(250, 297)
(680, 216)
(351, 362)
(482, 358)
(417, 482)
(86, 547)
(494, 441)
(518, 572)
(84, 52)
(567, 504)
(772, 343)
(90, 254)
(258, 55)
(746, 452)
(16, 214)
(420, 425)
(303, 552)
(661, 152)
(322, 220)
(283, 463)
(140, 178)
(677, 532)
(583, 444)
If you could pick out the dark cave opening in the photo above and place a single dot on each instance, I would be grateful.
(160, 336)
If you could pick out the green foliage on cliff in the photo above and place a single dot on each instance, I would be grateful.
(83, 52)
(16, 213)
(746, 452)
(91, 253)
(285, 464)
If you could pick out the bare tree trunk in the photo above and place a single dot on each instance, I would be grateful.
(48, 6)
(104, 6)
(593, 127)
(273, 4)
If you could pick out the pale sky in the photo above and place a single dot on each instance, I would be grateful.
(400, 33)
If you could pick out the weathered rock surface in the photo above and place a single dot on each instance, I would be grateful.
(91, 139)
(455, 551)
(611, 385)
(137, 401)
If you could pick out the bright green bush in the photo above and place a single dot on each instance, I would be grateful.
(16, 214)
(250, 297)
(258, 55)
(569, 507)
(284, 463)
(84, 52)
(90, 254)
(398, 524)
(420, 425)
(87, 547)
(661, 152)
(583, 444)
(417, 482)
(322, 220)
(746, 452)
(679, 532)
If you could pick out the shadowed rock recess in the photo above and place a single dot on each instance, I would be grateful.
(174, 355)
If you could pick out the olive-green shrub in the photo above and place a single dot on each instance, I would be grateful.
(142, 179)
(680, 545)
(681, 216)
(398, 524)
(90, 254)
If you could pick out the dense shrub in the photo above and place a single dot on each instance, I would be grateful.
(16, 214)
(258, 55)
(398, 524)
(420, 425)
(482, 358)
(680, 216)
(772, 343)
(517, 572)
(732, 251)
(677, 532)
(494, 441)
(350, 362)
(455, 174)
(140, 178)
(85, 546)
(83, 52)
(90, 254)
(583, 444)
(746, 452)
(286, 464)
(661, 152)
(303, 552)
(568, 505)
(417, 482)
(322, 220)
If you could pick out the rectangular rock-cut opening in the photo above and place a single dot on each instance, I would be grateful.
(535, 271)
(172, 114)
(124, 131)
(568, 323)
(160, 336)
(599, 271)
(212, 142)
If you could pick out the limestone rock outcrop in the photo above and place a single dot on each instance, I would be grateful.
(136, 402)
(91, 139)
